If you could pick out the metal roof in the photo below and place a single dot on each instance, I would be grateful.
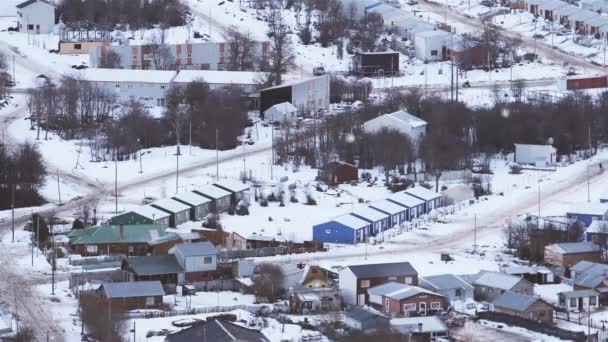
(576, 247)
(588, 267)
(369, 214)
(29, 2)
(407, 291)
(360, 314)
(598, 209)
(383, 270)
(446, 281)
(171, 205)
(212, 191)
(196, 249)
(217, 330)
(154, 264)
(232, 186)
(515, 301)
(133, 289)
(351, 221)
(192, 198)
(578, 294)
(428, 324)
(151, 212)
(388, 207)
(411, 119)
(140, 233)
(496, 280)
(405, 199)
(423, 193)
(590, 280)
(519, 270)
(385, 288)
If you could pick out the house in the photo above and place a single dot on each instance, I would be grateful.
(524, 306)
(315, 277)
(537, 155)
(355, 280)
(200, 206)
(597, 233)
(376, 64)
(199, 260)
(146, 86)
(583, 268)
(121, 239)
(178, 211)
(567, 255)
(532, 6)
(220, 199)
(308, 95)
(314, 300)
(342, 229)
(397, 214)
(163, 268)
(189, 56)
(80, 47)
(239, 191)
(36, 16)
(398, 299)
(414, 205)
(378, 219)
(407, 124)
(579, 300)
(132, 295)
(549, 9)
(593, 281)
(452, 287)
(588, 212)
(565, 13)
(337, 172)
(142, 215)
(432, 200)
(216, 330)
(421, 328)
(281, 112)
(256, 241)
(536, 274)
(366, 320)
(229, 241)
(432, 46)
(488, 285)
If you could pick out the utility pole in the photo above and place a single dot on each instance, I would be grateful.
(456, 83)
(244, 163)
(53, 263)
(475, 233)
(13, 210)
(177, 170)
(272, 151)
(589, 162)
(217, 154)
(451, 68)
(116, 184)
(538, 219)
(190, 137)
(58, 187)
(15, 77)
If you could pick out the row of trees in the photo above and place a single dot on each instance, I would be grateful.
(22, 174)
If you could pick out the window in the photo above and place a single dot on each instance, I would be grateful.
(458, 292)
(160, 102)
(408, 280)
(408, 307)
(77, 46)
(30, 27)
(392, 278)
(117, 85)
(131, 249)
(435, 305)
(91, 248)
(208, 260)
(364, 284)
(433, 52)
(593, 300)
(149, 301)
(327, 231)
(162, 87)
(572, 302)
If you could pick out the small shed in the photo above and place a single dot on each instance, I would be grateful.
(163, 268)
(588, 212)
(537, 155)
(489, 285)
(343, 229)
(200, 206)
(179, 212)
(337, 172)
(432, 200)
(414, 205)
(378, 219)
(524, 306)
(366, 320)
(579, 300)
(239, 191)
(397, 214)
(281, 112)
(133, 295)
(199, 260)
(432, 46)
(220, 198)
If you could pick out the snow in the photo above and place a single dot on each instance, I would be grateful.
(126, 75)
(549, 292)
(172, 205)
(192, 198)
(369, 213)
(218, 77)
(151, 212)
(351, 221)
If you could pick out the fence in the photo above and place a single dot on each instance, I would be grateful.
(532, 325)
(196, 311)
(251, 253)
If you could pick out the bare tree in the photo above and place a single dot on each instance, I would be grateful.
(162, 58)
(268, 282)
(240, 49)
(110, 60)
(103, 321)
(281, 51)
(517, 89)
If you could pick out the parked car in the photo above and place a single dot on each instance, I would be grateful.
(318, 71)
(487, 3)
(412, 2)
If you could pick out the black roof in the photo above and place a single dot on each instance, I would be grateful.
(217, 330)
(333, 165)
(29, 2)
(383, 270)
(360, 314)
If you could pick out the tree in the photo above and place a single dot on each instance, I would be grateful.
(281, 51)
(268, 282)
(40, 228)
(517, 89)
(162, 58)
(103, 321)
(110, 60)
(240, 49)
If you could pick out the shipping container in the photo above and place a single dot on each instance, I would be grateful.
(583, 83)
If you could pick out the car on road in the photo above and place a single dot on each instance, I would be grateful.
(412, 2)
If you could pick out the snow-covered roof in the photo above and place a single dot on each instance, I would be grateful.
(552, 5)
(575, 247)
(370, 214)
(398, 291)
(196, 249)
(446, 281)
(212, 191)
(497, 280)
(423, 193)
(428, 324)
(405, 199)
(568, 10)
(233, 186)
(281, 108)
(588, 208)
(296, 82)
(400, 118)
(127, 75)
(388, 207)
(515, 301)
(171, 205)
(192, 198)
(29, 2)
(598, 226)
(412, 120)
(351, 221)
(217, 77)
(151, 212)
(133, 289)
(433, 34)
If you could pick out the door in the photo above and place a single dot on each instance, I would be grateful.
(422, 306)
(361, 300)
(580, 304)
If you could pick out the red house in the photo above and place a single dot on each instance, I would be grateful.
(401, 300)
(336, 172)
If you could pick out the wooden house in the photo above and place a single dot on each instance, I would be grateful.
(337, 172)
(398, 299)
(132, 295)
(524, 306)
(567, 255)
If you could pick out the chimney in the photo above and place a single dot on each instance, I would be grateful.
(122, 231)
(419, 327)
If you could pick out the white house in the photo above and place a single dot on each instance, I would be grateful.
(281, 112)
(36, 16)
(411, 126)
(199, 259)
(246, 80)
(432, 45)
(537, 155)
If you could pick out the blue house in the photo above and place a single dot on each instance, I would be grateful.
(597, 232)
(414, 205)
(431, 199)
(397, 214)
(379, 220)
(604, 198)
(342, 229)
(588, 212)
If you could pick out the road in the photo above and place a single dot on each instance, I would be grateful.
(544, 82)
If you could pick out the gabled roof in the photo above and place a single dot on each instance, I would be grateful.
(281, 108)
(423, 193)
(217, 77)
(217, 330)
(360, 314)
(598, 209)
(170, 205)
(405, 199)
(385, 288)
(133, 289)
(141, 233)
(578, 294)
(575, 247)
(497, 280)
(333, 165)
(196, 249)
(369, 214)
(191, 198)
(154, 264)
(388, 207)
(598, 226)
(588, 267)
(446, 282)
(428, 324)
(212, 191)
(127, 76)
(399, 291)
(590, 280)
(515, 301)
(519, 270)
(232, 186)
(296, 82)
(351, 221)
(151, 212)
(30, 2)
(383, 270)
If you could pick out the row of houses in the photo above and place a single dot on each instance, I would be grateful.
(578, 19)
(368, 221)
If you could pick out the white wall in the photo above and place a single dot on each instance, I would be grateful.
(197, 264)
(425, 46)
(348, 286)
(147, 93)
(539, 155)
(38, 14)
